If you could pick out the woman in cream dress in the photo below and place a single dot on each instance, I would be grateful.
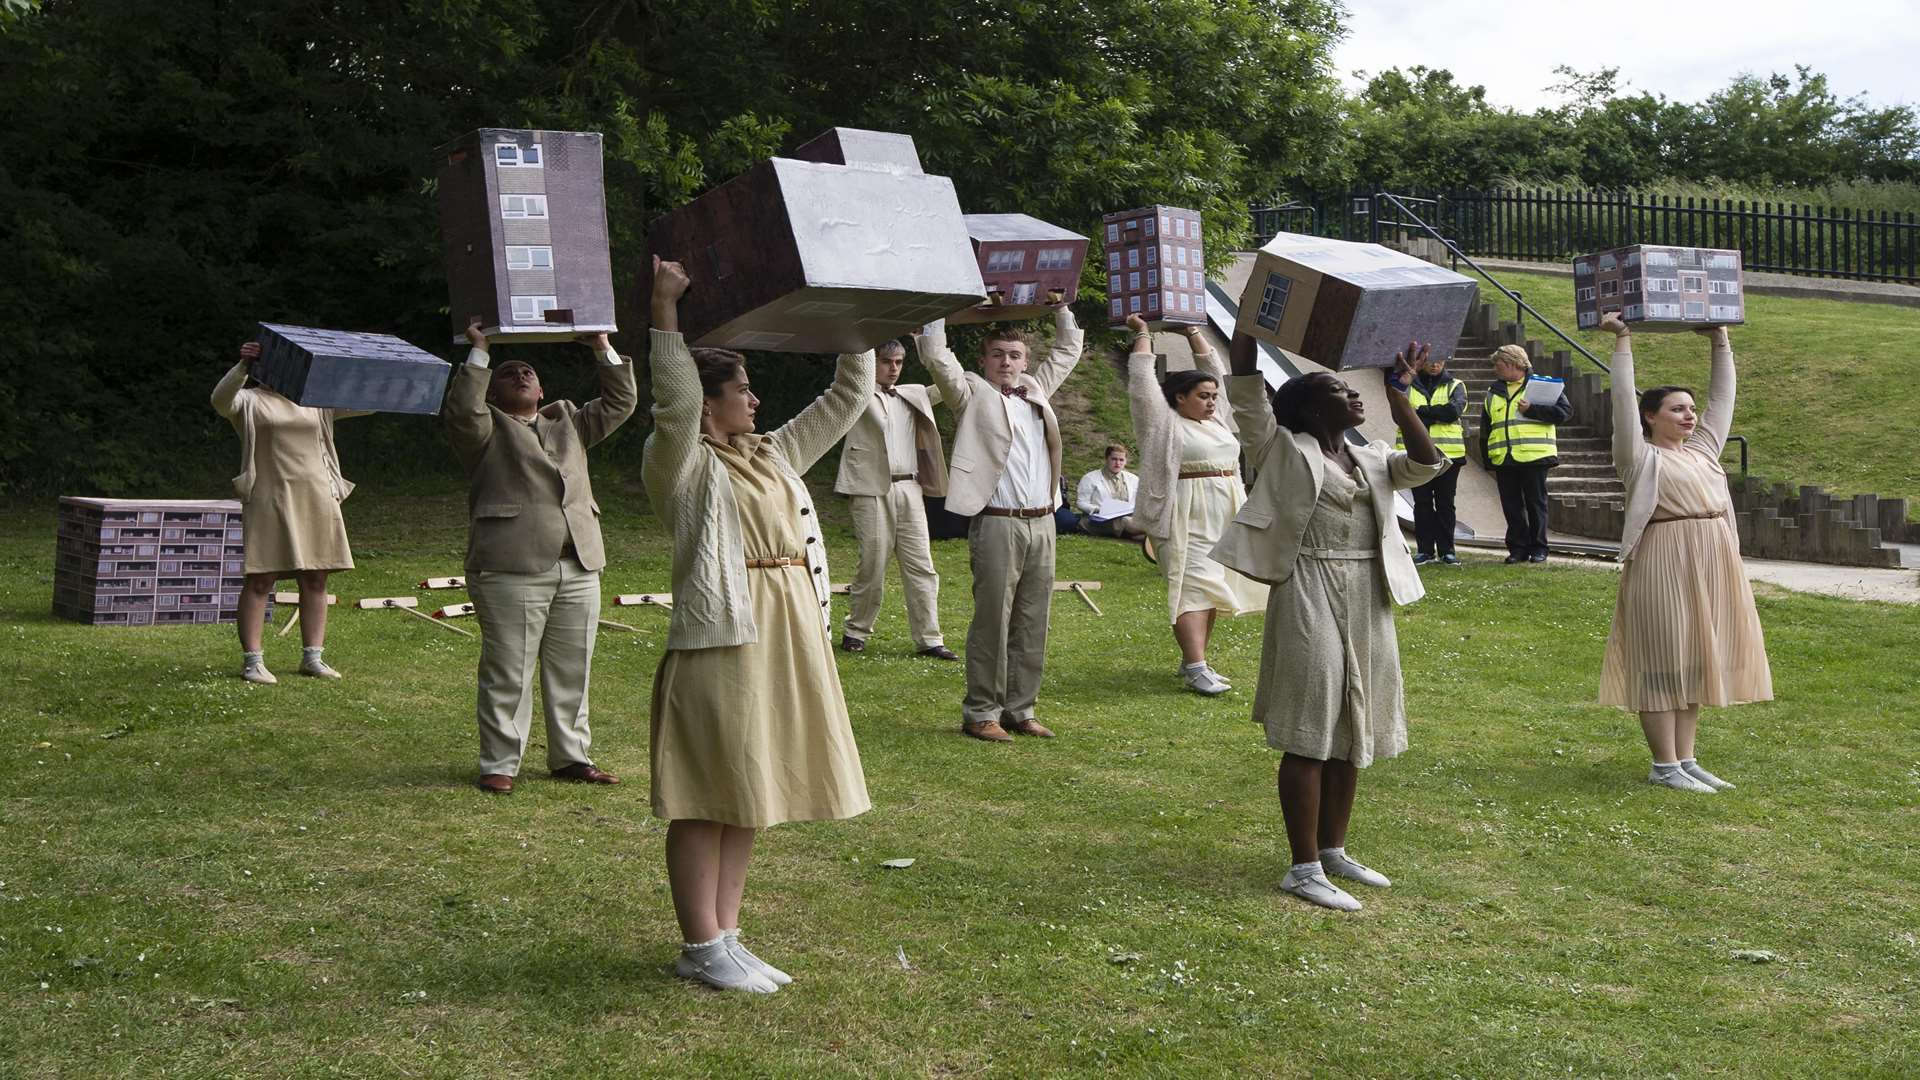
(1189, 489)
(749, 725)
(1685, 629)
(290, 491)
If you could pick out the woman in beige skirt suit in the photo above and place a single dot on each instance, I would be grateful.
(1685, 629)
(1320, 529)
(749, 725)
(1189, 489)
(290, 491)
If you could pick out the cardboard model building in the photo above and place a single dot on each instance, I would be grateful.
(523, 215)
(1156, 266)
(1657, 287)
(341, 369)
(838, 248)
(1026, 264)
(1344, 305)
(148, 562)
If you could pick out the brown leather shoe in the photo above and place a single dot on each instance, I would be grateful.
(582, 773)
(1027, 727)
(495, 783)
(989, 730)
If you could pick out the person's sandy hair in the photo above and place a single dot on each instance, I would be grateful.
(1515, 355)
(889, 347)
(717, 368)
(1006, 332)
(1113, 448)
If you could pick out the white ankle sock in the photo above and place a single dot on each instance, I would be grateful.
(310, 654)
(1666, 768)
(1301, 871)
(251, 660)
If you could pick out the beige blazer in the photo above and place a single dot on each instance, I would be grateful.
(1159, 436)
(864, 466)
(1263, 539)
(528, 492)
(240, 404)
(689, 488)
(982, 437)
(1636, 460)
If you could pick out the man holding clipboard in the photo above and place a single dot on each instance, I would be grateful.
(1517, 442)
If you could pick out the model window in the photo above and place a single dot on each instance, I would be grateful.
(1273, 301)
(523, 206)
(1583, 269)
(506, 154)
(1635, 311)
(1113, 233)
(529, 258)
(1006, 260)
(1133, 280)
(530, 155)
(1690, 283)
(1024, 292)
(1153, 301)
(1186, 302)
(1695, 309)
(1589, 319)
(1631, 288)
(1153, 279)
(1149, 226)
(1659, 260)
(533, 308)
(1179, 227)
(1726, 312)
(1182, 278)
(1727, 288)
(1607, 262)
(1052, 259)
(1133, 256)
(1689, 258)
(1113, 283)
(1118, 307)
(1113, 260)
(1166, 253)
(1663, 311)
(1633, 259)
(1724, 262)
(1153, 255)
(1133, 302)
(1609, 288)
(1665, 284)
(1583, 294)
(1180, 256)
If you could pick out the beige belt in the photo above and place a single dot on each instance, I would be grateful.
(1203, 474)
(774, 564)
(1340, 553)
(1687, 517)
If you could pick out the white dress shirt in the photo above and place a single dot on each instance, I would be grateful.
(901, 455)
(1025, 481)
(479, 357)
(1097, 487)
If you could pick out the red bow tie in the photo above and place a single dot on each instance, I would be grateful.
(1014, 391)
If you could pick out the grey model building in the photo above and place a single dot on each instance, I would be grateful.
(523, 215)
(148, 562)
(342, 369)
(1347, 305)
(1156, 266)
(1660, 287)
(1026, 264)
(838, 248)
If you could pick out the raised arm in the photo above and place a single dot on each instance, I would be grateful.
(808, 436)
(1420, 448)
(600, 417)
(1247, 393)
(1718, 420)
(673, 450)
(226, 392)
(948, 376)
(1069, 342)
(1207, 360)
(468, 417)
(1627, 440)
(1145, 403)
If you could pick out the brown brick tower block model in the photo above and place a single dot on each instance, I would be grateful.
(838, 248)
(148, 562)
(341, 369)
(1657, 287)
(1026, 263)
(523, 215)
(1156, 266)
(1347, 305)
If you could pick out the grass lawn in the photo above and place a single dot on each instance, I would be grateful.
(203, 878)
(1821, 381)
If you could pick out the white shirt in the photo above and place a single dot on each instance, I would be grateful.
(1097, 487)
(1026, 481)
(902, 458)
(479, 357)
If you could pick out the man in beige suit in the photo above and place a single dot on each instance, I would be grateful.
(1005, 473)
(890, 459)
(533, 552)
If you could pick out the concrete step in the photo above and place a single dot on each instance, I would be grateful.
(1566, 485)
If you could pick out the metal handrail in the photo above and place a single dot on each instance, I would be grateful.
(1742, 440)
(1520, 305)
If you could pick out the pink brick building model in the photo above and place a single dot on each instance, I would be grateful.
(1658, 287)
(1156, 266)
(1026, 264)
(148, 562)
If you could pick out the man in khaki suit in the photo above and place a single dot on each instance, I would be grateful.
(533, 552)
(890, 459)
(1005, 473)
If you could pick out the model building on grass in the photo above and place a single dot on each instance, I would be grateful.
(1346, 305)
(838, 248)
(341, 369)
(1156, 266)
(1658, 287)
(523, 215)
(148, 562)
(1026, 264)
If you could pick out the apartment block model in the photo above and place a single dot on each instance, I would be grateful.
(523, 215)
(342, 369)
(1660, 287)
(840, 247)
(1345, 305)
(148, 562)
(1026, 265)
(1156, 266)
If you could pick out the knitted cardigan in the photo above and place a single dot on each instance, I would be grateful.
(1636, 460)
(688, 488)
(234, 401)
(1156, 429)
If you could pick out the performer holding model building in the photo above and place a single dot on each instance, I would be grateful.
(1320, 528)
(1189, 490)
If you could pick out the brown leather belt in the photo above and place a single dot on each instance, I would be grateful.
(897, 477)
(1204, 473)
(1688, 517)
(994, 511)
(774, 564)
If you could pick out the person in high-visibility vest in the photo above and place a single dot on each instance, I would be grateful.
(1440, 401)
(1517, 443)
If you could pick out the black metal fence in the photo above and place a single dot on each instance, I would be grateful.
(1552, 225)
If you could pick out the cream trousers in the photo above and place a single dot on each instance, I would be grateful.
(552, 617)
(1012, 560)
(896, 524)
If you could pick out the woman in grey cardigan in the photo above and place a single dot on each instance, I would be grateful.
(749, 725)
(1685, 630)
(1189, 490)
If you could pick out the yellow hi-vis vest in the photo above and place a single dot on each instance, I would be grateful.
(1511, 437)
(1451, 438)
